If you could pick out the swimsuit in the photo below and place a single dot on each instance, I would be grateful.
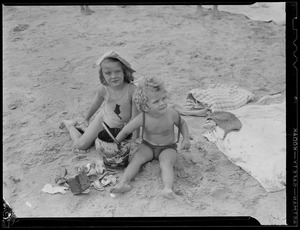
(157, 149)
(117, 111)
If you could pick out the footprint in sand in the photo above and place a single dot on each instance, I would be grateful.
(20, 27)
(109, 210)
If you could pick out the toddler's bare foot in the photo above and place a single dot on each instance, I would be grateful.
(120, 188)
(68, 123)
(168, 193)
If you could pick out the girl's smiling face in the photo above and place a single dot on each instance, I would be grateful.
(157, 103)
(113, 72)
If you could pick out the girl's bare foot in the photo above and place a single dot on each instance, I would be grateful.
(68, 123)
(120, 188)
(82, 127)
(168, 193)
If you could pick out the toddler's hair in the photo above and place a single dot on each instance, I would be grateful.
(128, 75)
(145, 87)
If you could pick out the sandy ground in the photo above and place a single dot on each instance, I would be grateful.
(49, 75)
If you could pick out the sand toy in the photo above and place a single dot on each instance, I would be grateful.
(115, 155)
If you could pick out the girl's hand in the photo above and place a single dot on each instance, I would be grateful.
(185, 144)
(85, 123)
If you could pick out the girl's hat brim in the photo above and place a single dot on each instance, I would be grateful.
(114, 54)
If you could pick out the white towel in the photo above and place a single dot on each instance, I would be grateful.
(260, 145)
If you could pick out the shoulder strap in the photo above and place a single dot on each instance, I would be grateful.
(143, 128)
(179, 126)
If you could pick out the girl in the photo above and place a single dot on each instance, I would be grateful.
(115, 94)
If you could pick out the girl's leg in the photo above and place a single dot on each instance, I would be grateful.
(167, 159)
(141, 156)
(84, 141)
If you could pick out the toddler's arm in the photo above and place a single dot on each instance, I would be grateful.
(129, 128)
(185, 134)
(185, 144)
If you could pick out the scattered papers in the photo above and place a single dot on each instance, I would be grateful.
(28, 204)
(53, 190)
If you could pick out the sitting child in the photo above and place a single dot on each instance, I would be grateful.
(158, 135)
(116, 95)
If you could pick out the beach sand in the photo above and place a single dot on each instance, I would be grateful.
(49, 75)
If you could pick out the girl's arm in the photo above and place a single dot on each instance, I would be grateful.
(96, 104)
(134, 113)
(130, 127)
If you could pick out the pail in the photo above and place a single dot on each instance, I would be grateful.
(114, 158)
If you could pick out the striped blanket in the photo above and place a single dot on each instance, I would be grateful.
(220, 97)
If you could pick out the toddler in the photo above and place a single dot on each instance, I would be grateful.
(158, 135)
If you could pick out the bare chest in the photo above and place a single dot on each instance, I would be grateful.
(161, 126)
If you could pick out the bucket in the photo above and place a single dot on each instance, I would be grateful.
(114, 157)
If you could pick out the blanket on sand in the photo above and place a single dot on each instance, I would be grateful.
(260, 145)
(220, 97)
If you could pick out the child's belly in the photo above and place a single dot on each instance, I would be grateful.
(160, 139)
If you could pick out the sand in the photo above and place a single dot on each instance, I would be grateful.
(49, 75)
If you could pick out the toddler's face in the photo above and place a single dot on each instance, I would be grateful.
(157, 102)
(112, 72)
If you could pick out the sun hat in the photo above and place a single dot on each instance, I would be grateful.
(116, 55)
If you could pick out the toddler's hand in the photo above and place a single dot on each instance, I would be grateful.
(185, 144)
(136, 141)
(121, 145)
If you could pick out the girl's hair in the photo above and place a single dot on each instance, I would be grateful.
(146, 86)
(128, 75)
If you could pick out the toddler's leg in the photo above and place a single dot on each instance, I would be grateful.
(167, 159)
(141, 156)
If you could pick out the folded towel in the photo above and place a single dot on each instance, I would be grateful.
(220, 97)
